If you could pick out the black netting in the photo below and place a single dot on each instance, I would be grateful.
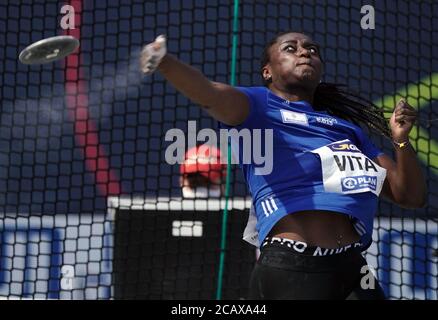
(89, 208)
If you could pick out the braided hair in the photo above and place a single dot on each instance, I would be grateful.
(340, 101)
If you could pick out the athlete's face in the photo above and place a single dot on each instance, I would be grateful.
(294, 61)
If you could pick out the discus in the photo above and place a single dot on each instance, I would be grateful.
(48, 50)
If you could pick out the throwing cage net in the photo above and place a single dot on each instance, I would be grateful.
(89, 207)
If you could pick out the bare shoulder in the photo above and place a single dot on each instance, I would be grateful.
(228, 104)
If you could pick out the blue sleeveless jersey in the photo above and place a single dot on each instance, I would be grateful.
(320, 162)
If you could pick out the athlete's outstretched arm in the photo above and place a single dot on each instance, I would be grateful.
(221, 101)
(405, 184)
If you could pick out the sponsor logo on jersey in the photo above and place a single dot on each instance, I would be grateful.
(294, 117)
(359, 182)
(343, 146)
(326, 120)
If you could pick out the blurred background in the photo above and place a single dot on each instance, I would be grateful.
(87, 201)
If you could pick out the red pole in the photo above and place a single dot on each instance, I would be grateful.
(86, 132)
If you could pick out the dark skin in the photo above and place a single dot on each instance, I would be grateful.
(295, 70)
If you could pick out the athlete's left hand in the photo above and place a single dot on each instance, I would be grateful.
(402, 120)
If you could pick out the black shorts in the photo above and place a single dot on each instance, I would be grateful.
(292, 270)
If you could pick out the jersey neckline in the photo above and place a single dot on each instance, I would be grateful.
(305, 105)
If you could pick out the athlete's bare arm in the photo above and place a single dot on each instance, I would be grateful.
(404, 184)
(221, 101)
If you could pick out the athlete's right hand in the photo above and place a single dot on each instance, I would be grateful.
(152, 54)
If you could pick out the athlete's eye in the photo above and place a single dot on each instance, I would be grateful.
(313, 50)
(290, 48)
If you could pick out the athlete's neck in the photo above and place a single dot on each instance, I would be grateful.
(294, 94)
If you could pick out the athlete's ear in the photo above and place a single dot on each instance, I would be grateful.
(266, 73)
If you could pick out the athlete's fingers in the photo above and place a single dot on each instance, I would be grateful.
(403, 105)
(406, 111)
(152, 54)
(144, 58)
(405, 118)
(159, 42)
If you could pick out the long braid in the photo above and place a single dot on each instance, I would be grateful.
(339, 101)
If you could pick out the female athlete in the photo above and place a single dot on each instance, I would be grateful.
(315, 209)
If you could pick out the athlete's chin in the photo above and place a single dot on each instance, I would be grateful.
(308, 75)
(309, 78)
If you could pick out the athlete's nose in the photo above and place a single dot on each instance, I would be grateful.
(303, 52)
